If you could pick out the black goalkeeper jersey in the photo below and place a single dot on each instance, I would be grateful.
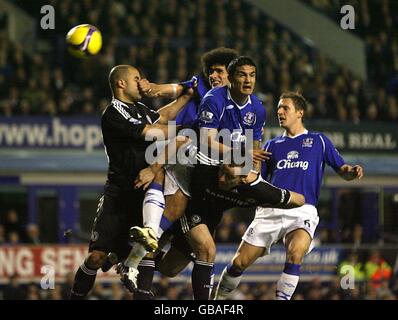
(122, 125)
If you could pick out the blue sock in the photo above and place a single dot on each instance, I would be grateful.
(165, 223)
(292, 269)
(288, 281)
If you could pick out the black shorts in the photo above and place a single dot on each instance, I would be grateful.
(118, 210)
(179, 240)
(205, 205)
(202, 207)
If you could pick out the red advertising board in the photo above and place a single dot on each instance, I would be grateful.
(33, 262)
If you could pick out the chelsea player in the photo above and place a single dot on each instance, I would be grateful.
(297, 163)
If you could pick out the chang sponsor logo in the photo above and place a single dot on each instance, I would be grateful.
(289, 164)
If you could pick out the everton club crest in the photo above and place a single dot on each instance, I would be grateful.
(307, 142)
(249, 118)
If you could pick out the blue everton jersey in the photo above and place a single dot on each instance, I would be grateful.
(298, 163)
(219, 111)
(189, 114)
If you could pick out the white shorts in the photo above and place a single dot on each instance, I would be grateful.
(271, 224)
(177, 176)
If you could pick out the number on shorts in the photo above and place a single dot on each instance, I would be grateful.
(307, 223)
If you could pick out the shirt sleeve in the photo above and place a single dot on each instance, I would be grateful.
(331, 156)
(118, 125)
(260, 122)
(153, 115)
(209, 114)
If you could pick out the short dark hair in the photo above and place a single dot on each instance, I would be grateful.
(219, 56)
(238, 62)
(120, 72)
(299, 101)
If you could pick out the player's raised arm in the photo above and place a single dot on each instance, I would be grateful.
(168, 90)
(170, 111)
(153, 90)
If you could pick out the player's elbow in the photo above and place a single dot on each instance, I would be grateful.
(167, 271)
(164, 117)
(206, 252)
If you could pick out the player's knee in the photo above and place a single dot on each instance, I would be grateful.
(167, 271)
(206, 251)
(295, 255)
(96, 259)
(175, 205)
(173, 212)
(159, 177)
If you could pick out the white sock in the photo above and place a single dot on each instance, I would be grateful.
(286, 286)
(153, 207)
(227, 284)
(137, 253)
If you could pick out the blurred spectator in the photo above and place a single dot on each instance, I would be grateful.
(223, 234)
(357, 235)
(117, 292)
(173, 292)
(384, 292)
(32, 234)
(13, 238)
(32, 292)
(13, 291)
(315, 290)
(353, 294)
(56, 293)
(2, 234)
(240, 230)
(377, 269)
(352, 261)
(334, 290)
(12, 224)
(297, 296)
(97, 293)
(372, 113)
(285, 61)
(371, 292)
(160, 289)
(321, 237)
(186, 292)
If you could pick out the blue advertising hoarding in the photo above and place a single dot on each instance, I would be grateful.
(322, 262)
